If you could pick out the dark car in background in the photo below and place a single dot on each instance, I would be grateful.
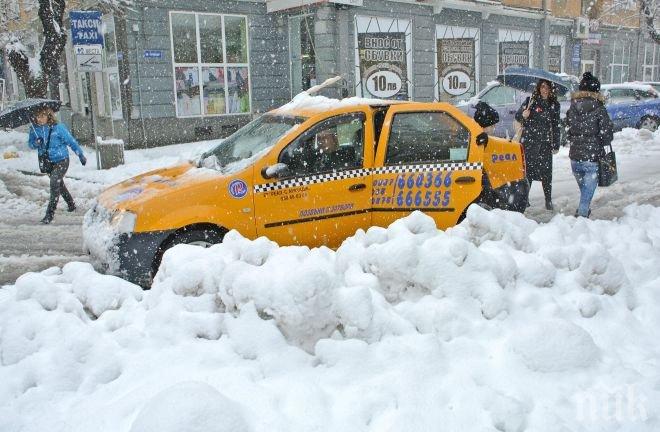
(633, 105)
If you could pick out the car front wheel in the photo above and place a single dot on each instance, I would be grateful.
(649, 123)
(203, 237)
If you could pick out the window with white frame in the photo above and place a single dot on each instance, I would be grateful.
(651, 72)
(457, 62)
(111, 103)
(211, 66)
(619, 67)
(556, 53)
(516, 48)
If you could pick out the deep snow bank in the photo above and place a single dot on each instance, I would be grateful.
(499, 324)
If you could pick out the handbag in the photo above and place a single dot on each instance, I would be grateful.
(45, 165)
(518, 127)
(607, 172)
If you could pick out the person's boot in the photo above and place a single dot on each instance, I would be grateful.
(47, 219)
(549, 206)
(71, 207)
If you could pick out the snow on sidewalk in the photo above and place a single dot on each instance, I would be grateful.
(498, 324)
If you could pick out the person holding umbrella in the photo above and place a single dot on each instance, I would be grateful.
(539, 116)
(51, 140)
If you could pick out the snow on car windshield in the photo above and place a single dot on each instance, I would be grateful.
(251, 140)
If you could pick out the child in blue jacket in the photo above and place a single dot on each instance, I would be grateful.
(58, 154)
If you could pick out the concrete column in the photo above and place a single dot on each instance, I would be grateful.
(545, 36)
(326, 42)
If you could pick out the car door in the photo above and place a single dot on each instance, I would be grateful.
(428, 160)
(620, 107)
(323, 195)
(503, 99)
(646, 105)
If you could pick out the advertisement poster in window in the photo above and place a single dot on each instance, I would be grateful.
(554, 59)
(383, 65)
(513, 54)
(187, 91)
(456, 68)
(238, 89)
(214, 90)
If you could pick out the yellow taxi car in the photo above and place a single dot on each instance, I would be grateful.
(309, 173)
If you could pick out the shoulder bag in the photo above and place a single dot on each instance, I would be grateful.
(518, 127)
(607, 172)
(45, 165)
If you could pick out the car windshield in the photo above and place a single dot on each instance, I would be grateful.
(250, 140)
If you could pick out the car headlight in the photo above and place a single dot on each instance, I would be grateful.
(123, 221)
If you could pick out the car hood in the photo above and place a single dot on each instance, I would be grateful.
(136, 190)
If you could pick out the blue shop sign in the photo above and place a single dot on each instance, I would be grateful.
(86, 28)
(153, 54)
(577, 55)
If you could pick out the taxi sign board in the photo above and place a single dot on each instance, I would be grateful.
(87, 40)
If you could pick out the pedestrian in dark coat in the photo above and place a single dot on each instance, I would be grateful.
(589, 130)
(539, 116)
(52, 139)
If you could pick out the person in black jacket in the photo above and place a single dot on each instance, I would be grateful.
(539, 116)
(589, 129)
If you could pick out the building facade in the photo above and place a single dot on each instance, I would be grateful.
(178, 71)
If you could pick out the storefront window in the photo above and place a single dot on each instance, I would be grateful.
(383, 57)
(458, 62)
(515, 49)
(210, 35)
(651, 60)
(184, 37)
(220, 82)
(214, 90)
(110, 98)
(620, 62)
(236, 35)
(187, 90)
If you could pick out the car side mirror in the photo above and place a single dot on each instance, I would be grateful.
(275, 171)
(482, 139)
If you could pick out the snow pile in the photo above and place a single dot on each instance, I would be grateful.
(497, 324)
(13, 140)
(304, 101)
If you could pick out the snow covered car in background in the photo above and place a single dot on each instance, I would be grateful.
(632, 105)
(311, 173)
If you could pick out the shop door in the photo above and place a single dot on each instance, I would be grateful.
(302, 53)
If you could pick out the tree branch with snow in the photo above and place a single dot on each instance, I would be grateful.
(649, 9)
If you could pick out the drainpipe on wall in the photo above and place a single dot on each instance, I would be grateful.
(136, 30)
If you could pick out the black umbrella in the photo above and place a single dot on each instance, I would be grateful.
(23, 112)
(522, 77)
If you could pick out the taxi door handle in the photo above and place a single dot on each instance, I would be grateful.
(465, 180)
(357, 187)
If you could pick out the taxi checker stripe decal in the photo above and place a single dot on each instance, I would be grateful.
(457, 166)
(342, 175)
(318, 178)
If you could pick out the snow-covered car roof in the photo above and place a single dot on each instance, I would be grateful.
(305, 105)
(629, 85)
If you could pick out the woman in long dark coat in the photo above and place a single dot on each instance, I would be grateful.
(540, 137)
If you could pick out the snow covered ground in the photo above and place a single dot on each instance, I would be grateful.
(503, 323)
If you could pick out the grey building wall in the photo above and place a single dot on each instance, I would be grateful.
(334, 33)
(152, 109)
